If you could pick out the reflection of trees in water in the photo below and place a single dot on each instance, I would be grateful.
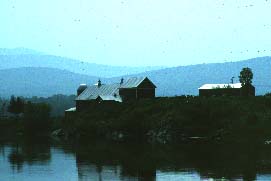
(29, 151)
(116, 161)
(141, 162)
(2, 149)
(217, 161)
(229, 160)
(16, 159)
(105, 161)
(138, 161)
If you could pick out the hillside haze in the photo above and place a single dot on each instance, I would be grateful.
(45, 82)
(184, 80)
(22, 57)
(45, 75)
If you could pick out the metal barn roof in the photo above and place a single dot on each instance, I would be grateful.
(111, 98)
(221, 86)
(73, 109)
(92, 92)
(109, 91)
(133, 82)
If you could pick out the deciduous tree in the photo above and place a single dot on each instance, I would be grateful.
(246, 76)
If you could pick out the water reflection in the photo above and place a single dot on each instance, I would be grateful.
(115, 161)
(29, 152)
(111, 161)
(209, 161)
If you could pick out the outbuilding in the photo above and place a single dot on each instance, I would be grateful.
(236, 89)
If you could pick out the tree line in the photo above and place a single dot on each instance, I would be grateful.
(27, 117)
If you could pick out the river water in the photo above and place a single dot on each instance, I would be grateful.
(46, 160)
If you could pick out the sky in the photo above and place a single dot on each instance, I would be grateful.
(139, 32)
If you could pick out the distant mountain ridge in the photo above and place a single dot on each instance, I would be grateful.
(182, 80)
(21, 57)
(187, 79)
(44, 82)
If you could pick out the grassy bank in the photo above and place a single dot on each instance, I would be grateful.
(175, 119)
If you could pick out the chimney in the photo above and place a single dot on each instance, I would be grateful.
(121, 81)
(99, 83)
(232, 79)
(81, 89)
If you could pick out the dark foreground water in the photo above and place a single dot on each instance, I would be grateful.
(44, 160)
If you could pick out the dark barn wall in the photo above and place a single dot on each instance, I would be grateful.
(145, 93)
(128, 94)
(248, 90)
(95, 104)
(146, 90)
(220, 92)
(136, 93)
(83, 105)
(68, 113)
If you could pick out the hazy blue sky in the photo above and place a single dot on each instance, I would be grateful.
(139, 32)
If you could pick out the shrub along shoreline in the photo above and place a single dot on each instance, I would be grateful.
(174, 120)
(27, 119)
(160, 120)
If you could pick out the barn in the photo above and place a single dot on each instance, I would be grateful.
(236, 89)
(126, 90)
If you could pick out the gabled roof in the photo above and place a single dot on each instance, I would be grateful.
(221, 86)
(92, 92)
(134, 82)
